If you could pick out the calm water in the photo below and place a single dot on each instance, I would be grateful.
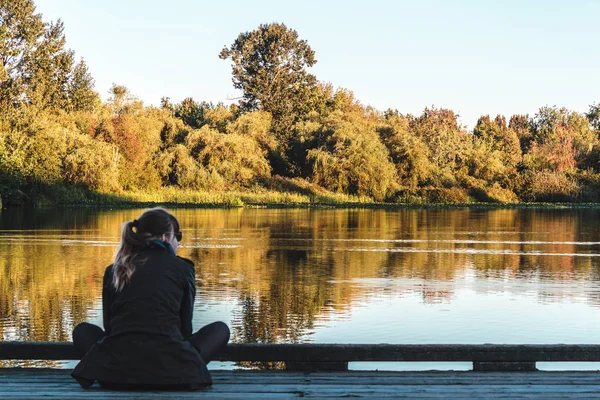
(327, 276)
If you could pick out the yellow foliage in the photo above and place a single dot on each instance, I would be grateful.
(237, 159)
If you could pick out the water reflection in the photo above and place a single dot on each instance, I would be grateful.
(300, 275)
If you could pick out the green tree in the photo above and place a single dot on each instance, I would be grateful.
(593, 115)
(233, 158)
(20, 31)
(80, 89)
(485, 163)
(89, 163)
(177, 167)
(173, 132)
(191, 112)
(35, 67)
(306, 133)
(218, 117)
(352, 159)
(409, 153)
(501, 138)
(449, 145)
(257, 125)
(521, 125)
(269, 67)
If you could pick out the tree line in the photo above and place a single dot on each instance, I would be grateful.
(288, 132)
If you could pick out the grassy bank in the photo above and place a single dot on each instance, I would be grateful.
(287, 193)
(61, 195)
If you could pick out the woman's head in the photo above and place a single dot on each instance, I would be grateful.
(154, 224)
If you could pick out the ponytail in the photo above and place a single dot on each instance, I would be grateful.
(123, 267)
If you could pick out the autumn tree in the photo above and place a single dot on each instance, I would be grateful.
(561, 138)
(448, 143)
(177, 167)
(137, 131)
(231, 159)
(352, 159)
(520, 124)
(306, 134)
(500, 138)
(593, 160)
(256, 125)
(408, 152)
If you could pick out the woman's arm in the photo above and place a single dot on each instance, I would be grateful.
(187, 304)
(106, 298)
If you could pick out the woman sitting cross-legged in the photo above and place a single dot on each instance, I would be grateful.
(147, 301)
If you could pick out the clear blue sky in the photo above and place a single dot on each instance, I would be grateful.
(475, 57)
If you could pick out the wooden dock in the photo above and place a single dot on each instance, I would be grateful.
(57, 384)
(500, 372)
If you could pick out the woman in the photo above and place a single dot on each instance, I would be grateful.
(147, 301)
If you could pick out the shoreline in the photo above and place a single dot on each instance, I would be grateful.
(315, 206)
(72, 197)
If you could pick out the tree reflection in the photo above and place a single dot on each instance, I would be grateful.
(288, 271)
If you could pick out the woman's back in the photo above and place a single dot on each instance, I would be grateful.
(158, 298)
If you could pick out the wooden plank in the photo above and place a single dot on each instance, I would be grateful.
(357, 381)
(37, 351)
(281, 384)
(343, 387)
(345, 352)
(316, 366)
(259, 384)
(504, 366)
(358, 377)
(330, 391)
(233, 396)
(142, 395)
(254, 374)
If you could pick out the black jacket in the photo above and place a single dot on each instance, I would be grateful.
(148, 325)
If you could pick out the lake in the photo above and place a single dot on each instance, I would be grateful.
(327, 275)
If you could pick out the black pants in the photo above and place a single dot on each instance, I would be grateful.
(210, 340)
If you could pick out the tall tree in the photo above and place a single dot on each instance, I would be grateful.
(35, 67)
(269, 66)
(20, 30)
(80, 89)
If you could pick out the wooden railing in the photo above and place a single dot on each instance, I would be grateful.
(485, 357)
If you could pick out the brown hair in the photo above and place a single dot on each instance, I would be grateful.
(151, 225)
